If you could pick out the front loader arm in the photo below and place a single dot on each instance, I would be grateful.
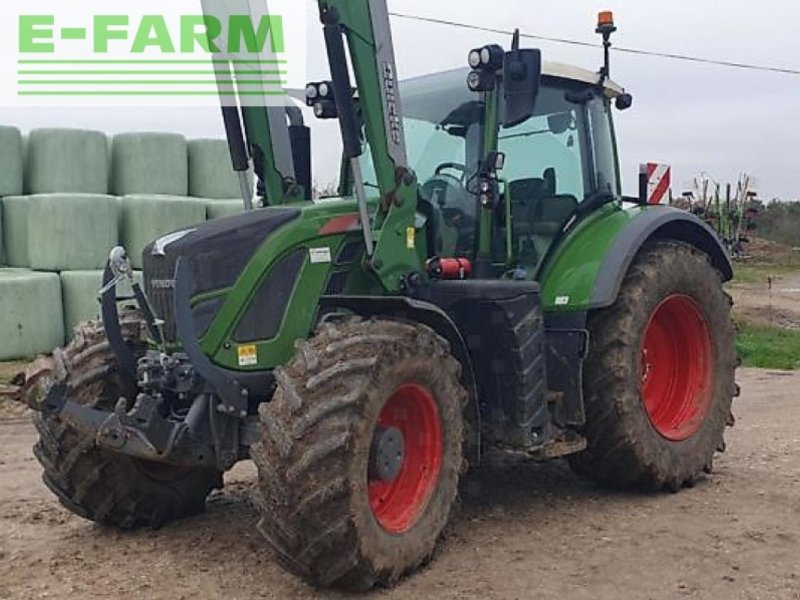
(365, 26)
(265, 139)
(269, 142)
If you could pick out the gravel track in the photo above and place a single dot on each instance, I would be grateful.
(524, 531)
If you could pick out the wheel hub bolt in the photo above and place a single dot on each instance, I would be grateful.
(387, 454)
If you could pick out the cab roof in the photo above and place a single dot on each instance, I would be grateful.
(446, 81)
(454, 77)
(571, 72)
(433, 97)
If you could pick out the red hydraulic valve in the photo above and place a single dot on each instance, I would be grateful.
(449, 268)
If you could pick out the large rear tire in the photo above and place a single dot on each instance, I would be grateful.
(659, 379)
(361, 453)
(103, 486)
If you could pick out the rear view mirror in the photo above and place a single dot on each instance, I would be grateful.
(624, 102)
(522, 74)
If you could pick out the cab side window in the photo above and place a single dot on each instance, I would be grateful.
(545, 177)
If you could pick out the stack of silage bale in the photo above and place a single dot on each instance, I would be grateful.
(81, 301)
(30, 303)
(11, 170)
(83, 194)
(212, 177)
(31, 321)
(151, 175)
(67, 221)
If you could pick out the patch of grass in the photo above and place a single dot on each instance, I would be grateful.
(755, 274)
(769, 347)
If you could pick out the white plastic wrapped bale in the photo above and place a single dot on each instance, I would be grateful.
(15, 231)
(31, 320)
(2, 245)
(218, 209)
(150, 163)
(60, 232)
(11, 161)
(79, 290)
(210, 172)
(147, 218)
(67, 161)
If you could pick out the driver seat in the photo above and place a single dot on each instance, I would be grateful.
(549, 216)
(441, 237)
(524, 196)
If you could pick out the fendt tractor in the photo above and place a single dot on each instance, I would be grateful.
(481, 285)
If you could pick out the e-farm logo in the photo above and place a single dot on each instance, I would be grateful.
(226, 49)
(37, 34)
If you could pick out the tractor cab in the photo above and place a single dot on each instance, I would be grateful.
(558, 158)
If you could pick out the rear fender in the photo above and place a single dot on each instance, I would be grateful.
(587, 271)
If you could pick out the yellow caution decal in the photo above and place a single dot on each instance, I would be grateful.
(248, 356)
(411, 238)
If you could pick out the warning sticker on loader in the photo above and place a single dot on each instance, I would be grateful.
(411, 238)
(320, 256)
(248, 356)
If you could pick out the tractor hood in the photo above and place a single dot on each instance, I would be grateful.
(217, 252)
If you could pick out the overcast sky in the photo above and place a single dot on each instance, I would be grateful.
(696, 117)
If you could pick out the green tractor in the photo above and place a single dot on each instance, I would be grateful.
(480, 284)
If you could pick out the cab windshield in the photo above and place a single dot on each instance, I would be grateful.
(555, 160)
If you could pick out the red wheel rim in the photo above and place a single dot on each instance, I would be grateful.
(397, 505)
(677, 365)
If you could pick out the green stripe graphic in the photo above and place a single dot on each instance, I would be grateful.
(148, 93)
(227, 73)
(153, 62)
(127, 82)
(35, 76)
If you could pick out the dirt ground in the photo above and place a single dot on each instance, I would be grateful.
(524, 531)
(771, 293)
(776, 304)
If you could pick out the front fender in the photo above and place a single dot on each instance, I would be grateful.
(417, 311)
(587, 270)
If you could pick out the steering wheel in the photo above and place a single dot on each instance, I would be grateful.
(440, 170)
(442, 186)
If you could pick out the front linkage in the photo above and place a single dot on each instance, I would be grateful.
(186, 412)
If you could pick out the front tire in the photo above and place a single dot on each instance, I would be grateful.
(103, 486)
(659, 380)
(361, 453)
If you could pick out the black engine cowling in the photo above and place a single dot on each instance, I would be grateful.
(216, 252)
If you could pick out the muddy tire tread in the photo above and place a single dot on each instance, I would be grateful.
(98, 485)
(623, 453)
(304, 493)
